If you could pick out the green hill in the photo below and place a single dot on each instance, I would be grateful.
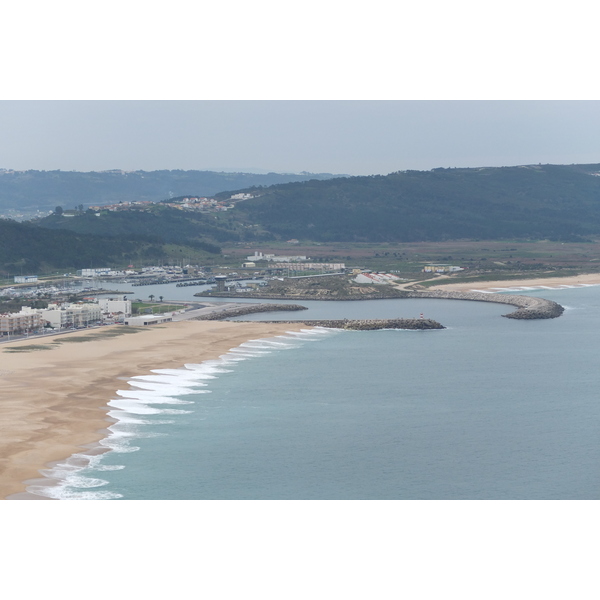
(530, 202)
(159, 223)
(556, 202)
(27, 248)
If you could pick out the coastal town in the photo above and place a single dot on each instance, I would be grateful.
(83, 299)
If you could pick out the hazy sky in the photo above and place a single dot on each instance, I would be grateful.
(348, 136)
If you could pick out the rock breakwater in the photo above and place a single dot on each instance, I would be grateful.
(373, 324)
(356, 324)
(527, 306)
(248, 310)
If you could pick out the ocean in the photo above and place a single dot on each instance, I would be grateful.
(489, 408)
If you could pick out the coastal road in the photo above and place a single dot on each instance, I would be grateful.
(207, 309)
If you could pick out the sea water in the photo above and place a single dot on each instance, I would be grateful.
(489, 408)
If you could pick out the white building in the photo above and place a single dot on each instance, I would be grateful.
(25, 320)
(294, 266)
(25, 278)
(441, 269)
(71, 315)
(272, 258)
(113, 306)
(95, 272)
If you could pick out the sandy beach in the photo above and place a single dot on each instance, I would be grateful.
(552, 282)
(54, 400)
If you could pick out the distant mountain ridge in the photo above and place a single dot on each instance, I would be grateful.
(531, 202)
(44, 190)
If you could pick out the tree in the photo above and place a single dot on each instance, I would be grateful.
(160, 298)
(58, 211)
(151, 296)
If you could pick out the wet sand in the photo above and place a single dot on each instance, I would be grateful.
(552, 282)
(53, 401)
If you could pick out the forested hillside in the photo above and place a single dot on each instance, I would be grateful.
(28, 249)
(531, 202)
(159, 222)
(534, 202)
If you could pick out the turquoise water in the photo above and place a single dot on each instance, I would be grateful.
(489, 408)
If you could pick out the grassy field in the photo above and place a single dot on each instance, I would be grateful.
(479, 258)
(146, 307)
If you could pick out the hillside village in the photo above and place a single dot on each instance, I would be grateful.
(185, 203)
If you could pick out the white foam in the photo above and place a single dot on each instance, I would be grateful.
(248, 352)
(184, 374)
(207, 368)
(151, 395)
(148, 385)
(139, 408)
(260, 347)
(64, 492)
(303, 334)
(164, 379)
(155, 395)
(109, 467)
(229, 358)
(274, 343)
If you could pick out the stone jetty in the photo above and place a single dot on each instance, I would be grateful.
(373, 324)
(345, 288)
(527, 307)
(248, 309)
(359, 325)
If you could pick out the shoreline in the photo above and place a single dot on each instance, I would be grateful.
(504, 284)
(55, 401)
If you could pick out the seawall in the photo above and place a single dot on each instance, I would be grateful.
(527, 307)
(248, 309)
(373, 324)
(356, 324)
